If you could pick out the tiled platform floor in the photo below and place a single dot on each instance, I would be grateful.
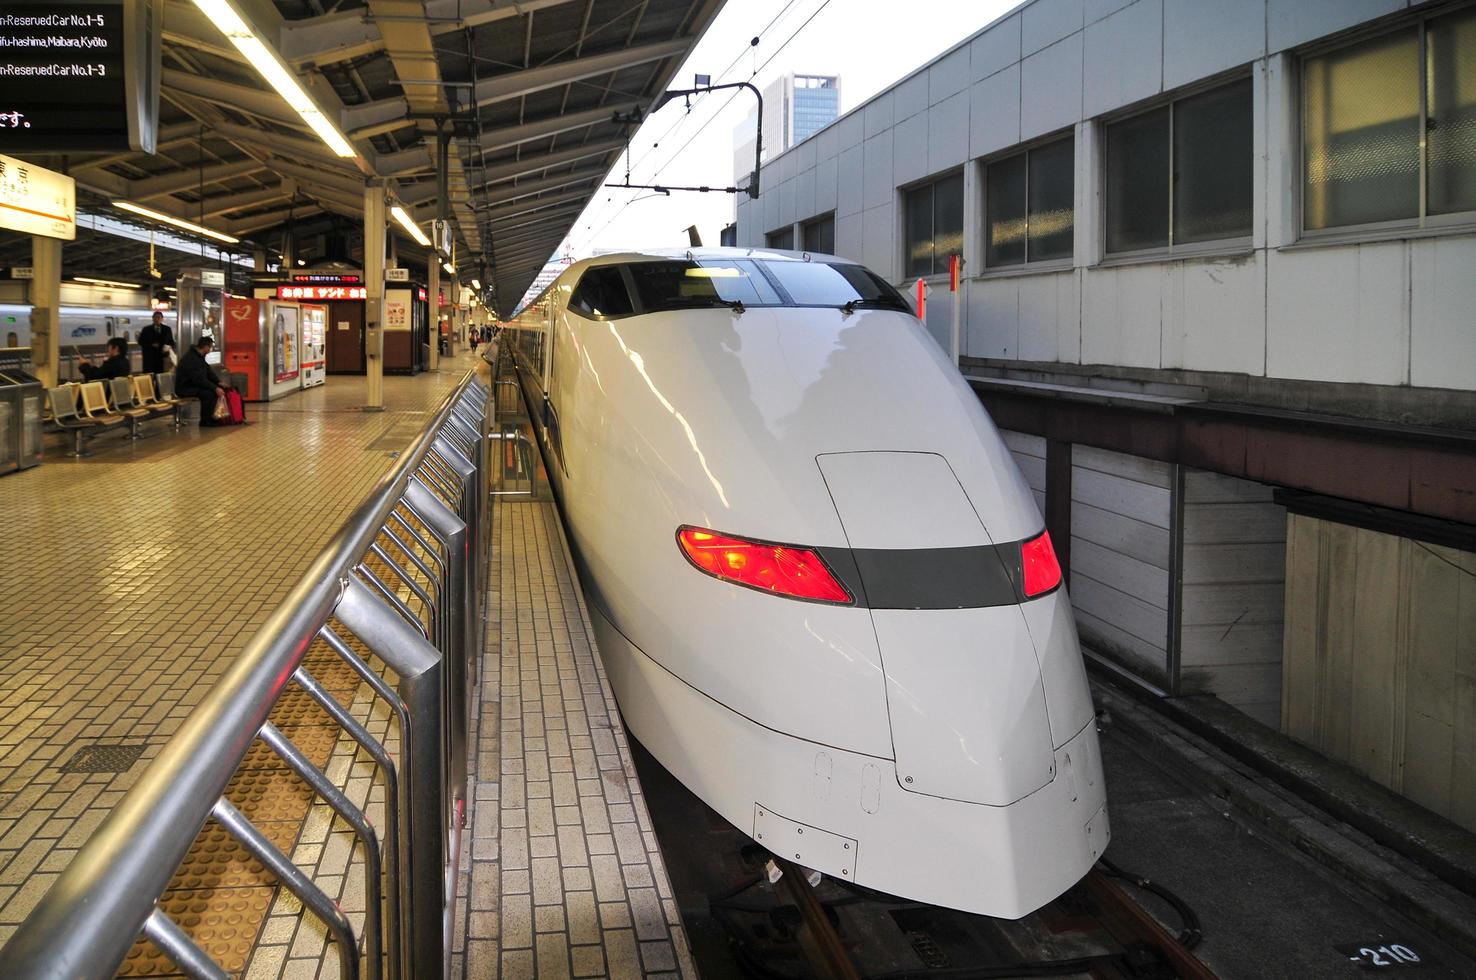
(565, 878)
(131, 578)
(561, 876)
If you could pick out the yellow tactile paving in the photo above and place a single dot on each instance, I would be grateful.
(140, 573)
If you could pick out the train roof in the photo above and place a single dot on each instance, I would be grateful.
(643, 255)
(714, 252)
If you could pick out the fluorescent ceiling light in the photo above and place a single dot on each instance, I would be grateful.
(270, 67)
(170, 219)
(106, 282)
(450, 269)
(476, 284)
(408, 223)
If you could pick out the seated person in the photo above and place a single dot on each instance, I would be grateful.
(193, 378)
(116, 365)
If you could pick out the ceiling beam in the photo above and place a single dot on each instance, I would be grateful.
(513, 84)
(249, 199)
(521, 250)
(345, 184)
(331, 38)
(510, 136)
(271, 219)
(505, 194)
(184, 180)
(310, 151)
(537, 163)
(228, 95)
(566, 213)
(529, 205)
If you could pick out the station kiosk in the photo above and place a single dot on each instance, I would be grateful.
(339, 294)
(263, 341)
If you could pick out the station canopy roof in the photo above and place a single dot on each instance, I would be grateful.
(525, 90)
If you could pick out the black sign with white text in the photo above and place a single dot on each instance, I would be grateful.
(63, 76)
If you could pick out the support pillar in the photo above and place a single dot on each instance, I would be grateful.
(433, 260)
(458, 321)
(433, 293)
(46, 259)
(374, 238)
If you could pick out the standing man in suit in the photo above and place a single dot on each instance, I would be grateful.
(153, 339)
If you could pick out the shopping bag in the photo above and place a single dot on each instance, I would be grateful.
(222, 411)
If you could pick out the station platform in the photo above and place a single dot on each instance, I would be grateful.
(154, 561)
(179, 546)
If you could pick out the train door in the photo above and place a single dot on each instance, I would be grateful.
(550, 317)
(550, 410)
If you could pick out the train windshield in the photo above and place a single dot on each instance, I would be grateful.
(691, 284)
(688, 285)
(823, 284)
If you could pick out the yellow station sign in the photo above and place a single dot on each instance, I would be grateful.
(37, 201)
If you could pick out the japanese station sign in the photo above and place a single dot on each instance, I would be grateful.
(79, 75)
(36, 201)
(321, 292)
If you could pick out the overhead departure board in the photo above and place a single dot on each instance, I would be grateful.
(78, 75)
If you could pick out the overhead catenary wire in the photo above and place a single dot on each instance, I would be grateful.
(815, 13)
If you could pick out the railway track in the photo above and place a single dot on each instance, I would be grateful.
(1100, 912)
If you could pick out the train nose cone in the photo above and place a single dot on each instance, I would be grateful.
(964, 693)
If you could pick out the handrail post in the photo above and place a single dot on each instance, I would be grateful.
(429, 854)
(453, 533)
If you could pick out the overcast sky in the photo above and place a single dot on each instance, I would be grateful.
(870, 44)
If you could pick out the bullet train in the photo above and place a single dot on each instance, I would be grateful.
(821, 588)
(84, 328)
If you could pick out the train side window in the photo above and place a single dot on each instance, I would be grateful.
(601, 292)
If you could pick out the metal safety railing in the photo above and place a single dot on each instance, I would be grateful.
(514, 471)
(402, 579)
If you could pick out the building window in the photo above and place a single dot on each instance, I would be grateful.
(1029, 211)
(1181, 173)
(1388, 118)
(934, 226)
(820, 235)
(783, 238)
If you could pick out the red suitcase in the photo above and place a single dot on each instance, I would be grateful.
(235, 408)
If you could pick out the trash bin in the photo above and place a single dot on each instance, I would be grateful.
(20, 421)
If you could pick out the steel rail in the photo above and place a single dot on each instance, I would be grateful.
(99, 905)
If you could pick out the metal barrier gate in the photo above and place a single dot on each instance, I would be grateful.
(419, 539)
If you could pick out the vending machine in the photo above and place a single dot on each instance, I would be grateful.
(264, 342)
(314, 345)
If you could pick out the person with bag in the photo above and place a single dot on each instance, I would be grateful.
(157, 343)
(194, 378)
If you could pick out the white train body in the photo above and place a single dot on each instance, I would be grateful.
(84, 328)
(933, 736)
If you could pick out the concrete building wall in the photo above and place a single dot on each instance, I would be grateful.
(1383, 309)
(1231, 593)
(1380, 665)
(1122, 557)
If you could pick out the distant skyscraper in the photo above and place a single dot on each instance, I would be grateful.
(796, 107)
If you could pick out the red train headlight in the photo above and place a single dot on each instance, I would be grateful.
(1042, 570)
(799, 573)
